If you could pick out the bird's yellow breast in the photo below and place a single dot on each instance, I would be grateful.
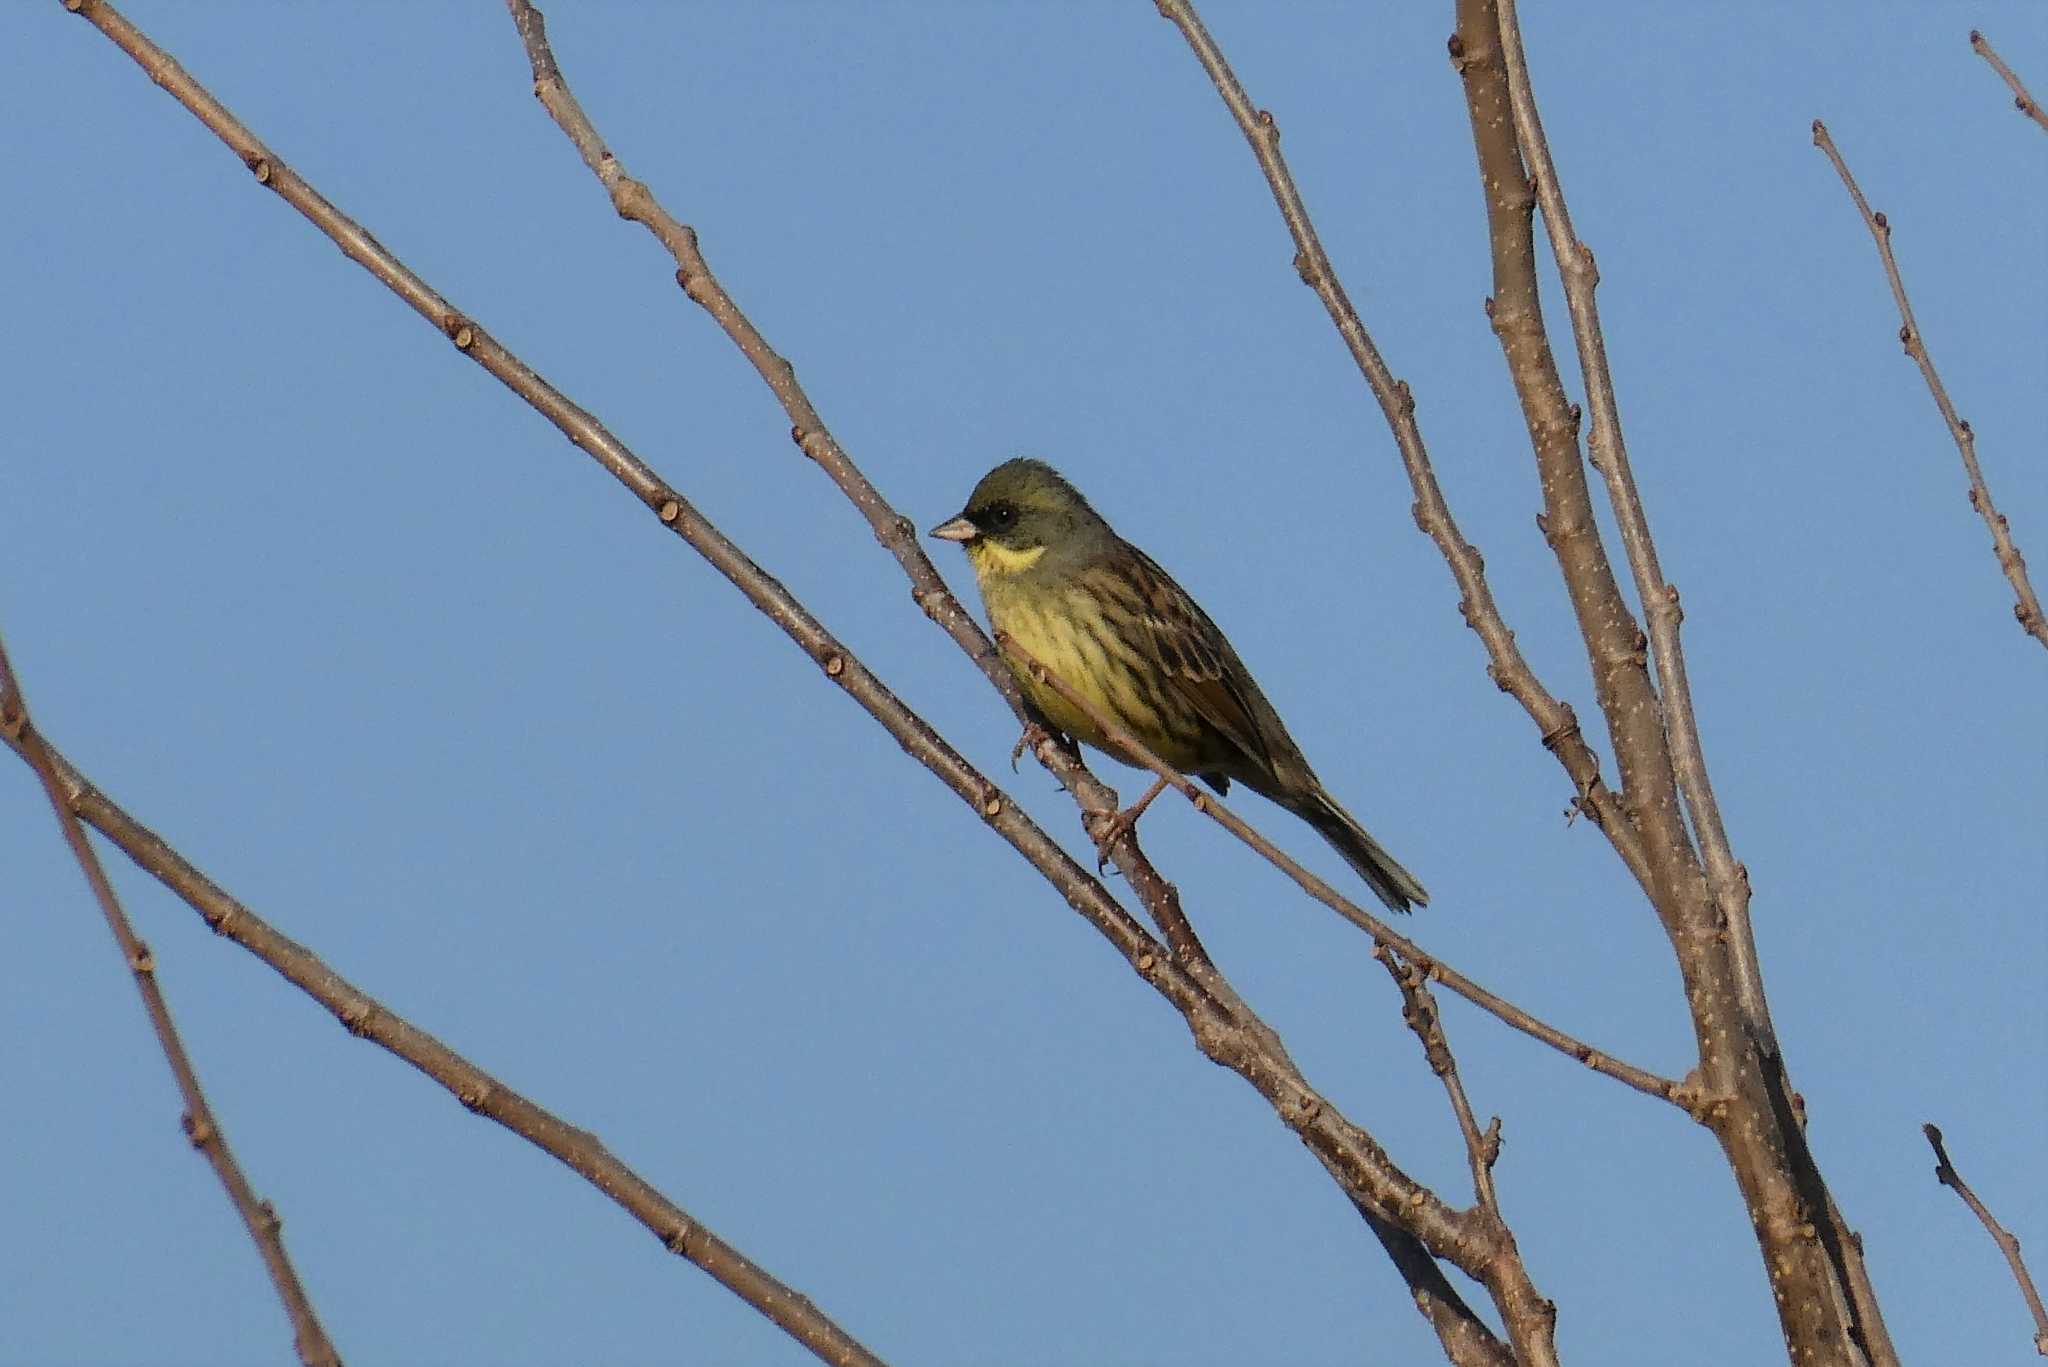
(1063, 630)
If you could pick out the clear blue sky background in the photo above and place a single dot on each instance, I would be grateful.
(371, 643)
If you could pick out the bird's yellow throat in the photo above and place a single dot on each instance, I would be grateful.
(992, 561)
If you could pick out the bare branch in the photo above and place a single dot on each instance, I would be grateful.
(1812, 1258)
(1341, 1146)
(1946, 1174)
(1466, 1340)
(1530, 1318)
(2021, 100)
(366, 1017)
(1418, 1009)
(1384, 935)
(1482, 1147)
(1615, 646)
(2028, 607)
(1608, 451)
(635, 203)
(201, 1127)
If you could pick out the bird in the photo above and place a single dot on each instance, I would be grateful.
(1060, 584)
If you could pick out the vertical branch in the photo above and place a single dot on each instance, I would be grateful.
(2027, 608)
(1814, 1261)
(1608, 451)
(201, 1127)
(1418, 1009)
(1615, 645)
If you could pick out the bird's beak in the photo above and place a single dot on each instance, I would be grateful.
(959, 529)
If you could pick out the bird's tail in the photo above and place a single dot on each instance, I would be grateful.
(1395, 885)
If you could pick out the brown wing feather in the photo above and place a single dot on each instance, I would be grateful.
(1197, 660)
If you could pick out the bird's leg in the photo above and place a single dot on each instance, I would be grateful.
(1110, 827)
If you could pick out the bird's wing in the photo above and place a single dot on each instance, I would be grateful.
(1196, 658)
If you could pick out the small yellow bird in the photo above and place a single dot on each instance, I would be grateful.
(1096, 610)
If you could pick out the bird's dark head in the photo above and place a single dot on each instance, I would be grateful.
(1019, 511)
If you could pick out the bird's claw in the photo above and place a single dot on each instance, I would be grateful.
(1032, 737)
(1107, 828)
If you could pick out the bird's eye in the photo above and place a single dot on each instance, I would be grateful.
(1002, 515)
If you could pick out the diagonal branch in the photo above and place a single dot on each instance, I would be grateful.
(675, 512)
(2021, 100)
(367, 1018)
(1383, 935)
(201, 1127)
(635, 203)
(2028, 607)
(1946, 1174)
(1531, 1319)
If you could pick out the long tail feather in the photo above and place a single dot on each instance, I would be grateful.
(1393, 884)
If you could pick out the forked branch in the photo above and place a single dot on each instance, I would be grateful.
(367, 1018)
(201, 1126)
(1812, 1258)
(1678, 747)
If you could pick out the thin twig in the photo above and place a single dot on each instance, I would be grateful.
(1946, 1174)
(1418, 1009)
(1222, 1027)
(635, 203)
(2027, 608)
(1555, 721)
(1608, 451)
(367, 1018)
(200, 1125)
(1641, 1079)
(2021, 100)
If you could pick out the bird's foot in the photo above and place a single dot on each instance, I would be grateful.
(1106, 828)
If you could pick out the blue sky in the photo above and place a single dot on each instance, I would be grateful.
(370, 643)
